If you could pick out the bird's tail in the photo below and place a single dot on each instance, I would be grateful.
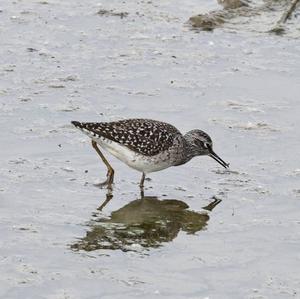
(77, 124)
(85, 128)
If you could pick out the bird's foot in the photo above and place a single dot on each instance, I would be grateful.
(104, 184)
(108, 182)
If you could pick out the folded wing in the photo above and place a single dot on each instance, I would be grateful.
(145, 136)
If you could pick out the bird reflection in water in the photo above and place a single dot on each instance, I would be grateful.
(143, 223)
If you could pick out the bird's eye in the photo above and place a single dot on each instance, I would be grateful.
(207, 145)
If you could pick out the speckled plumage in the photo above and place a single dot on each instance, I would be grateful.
(144, 136)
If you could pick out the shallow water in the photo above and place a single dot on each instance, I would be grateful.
(146, 222)
(61, 61)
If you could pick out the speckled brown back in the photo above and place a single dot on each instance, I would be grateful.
(144, 136)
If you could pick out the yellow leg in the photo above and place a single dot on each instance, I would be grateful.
(110, 172)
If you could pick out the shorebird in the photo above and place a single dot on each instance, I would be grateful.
(146, 145)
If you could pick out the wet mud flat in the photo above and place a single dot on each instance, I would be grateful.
(269, 16)
(69, 60)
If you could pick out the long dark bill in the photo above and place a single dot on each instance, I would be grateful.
(218, 159)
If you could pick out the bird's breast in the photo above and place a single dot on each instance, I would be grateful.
(133, 159)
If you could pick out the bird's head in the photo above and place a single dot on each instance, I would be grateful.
(203, 145)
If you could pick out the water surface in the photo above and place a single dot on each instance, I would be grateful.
(63, 61)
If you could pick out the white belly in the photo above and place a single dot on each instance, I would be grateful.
(134, 160)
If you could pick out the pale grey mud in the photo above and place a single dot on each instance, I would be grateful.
(88, 61)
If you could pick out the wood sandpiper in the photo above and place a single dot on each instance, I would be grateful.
(146, 145)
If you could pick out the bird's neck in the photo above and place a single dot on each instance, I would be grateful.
(191, 149)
